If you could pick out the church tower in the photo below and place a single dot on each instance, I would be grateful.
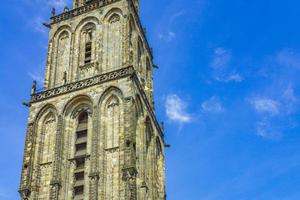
(92, 131)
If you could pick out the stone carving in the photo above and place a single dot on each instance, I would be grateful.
(120, 73)
(91, 69)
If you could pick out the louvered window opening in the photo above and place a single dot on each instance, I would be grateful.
(80, 154)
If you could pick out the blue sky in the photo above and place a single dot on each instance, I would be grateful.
(227, 89)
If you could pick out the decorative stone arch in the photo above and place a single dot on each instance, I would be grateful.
(112, 13)
(44, 141)
(72, 111)
(42, 115)
(108, 91)
(113, 38)
(85, 21)
(85, 47)
(62, 29)
(61, 55)
(78, 104)
(111, 107)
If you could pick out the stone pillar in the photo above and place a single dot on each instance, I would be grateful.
(94, 174)
(56, 182)
(129, 170)
(27, 164)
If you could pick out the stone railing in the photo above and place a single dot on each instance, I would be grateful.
(83, 9)
(109, 76)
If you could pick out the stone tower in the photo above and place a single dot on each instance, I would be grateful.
(92, 132)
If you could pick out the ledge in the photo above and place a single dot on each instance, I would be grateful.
(117, 74)
(96, 80)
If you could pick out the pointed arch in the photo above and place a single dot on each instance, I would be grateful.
(78, 104)
(60, 52)
(112, 37)
(112, 130)
(112, 12)
(86, 20)
(45, 132)
(85, 47)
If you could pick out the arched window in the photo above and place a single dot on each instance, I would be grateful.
(80, 154)
(112, 112)
(113, 123)
(63, 58)
(87, 43)
(114, 41)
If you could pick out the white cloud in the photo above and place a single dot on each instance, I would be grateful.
(212, 105)
(265, 105)
(221, 66)
(176, 109)
(169, 36)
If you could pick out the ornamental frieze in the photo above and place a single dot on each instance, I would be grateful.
(117, 74)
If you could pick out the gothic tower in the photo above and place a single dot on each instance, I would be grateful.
(92, 132)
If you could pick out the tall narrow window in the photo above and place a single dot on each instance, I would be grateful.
(80, 153)
(88, 47)
(87, 44)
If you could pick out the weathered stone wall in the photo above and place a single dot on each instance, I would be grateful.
(124, 157)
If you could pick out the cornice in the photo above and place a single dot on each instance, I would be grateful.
(102, 78)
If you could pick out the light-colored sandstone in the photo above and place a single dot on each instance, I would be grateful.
(124, 152)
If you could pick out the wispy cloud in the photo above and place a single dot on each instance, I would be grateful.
(37, 77)
(176, 109)
(265, 105)
(289, 58)
(267, 130)
(212, 105)
(167, 34)
(221, 61)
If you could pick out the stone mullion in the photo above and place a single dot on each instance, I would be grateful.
(94, 174)
(27, 164)
(56, 182)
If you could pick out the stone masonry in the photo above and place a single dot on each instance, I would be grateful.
(92, 132)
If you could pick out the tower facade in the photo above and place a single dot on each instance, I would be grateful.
(92, 132)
